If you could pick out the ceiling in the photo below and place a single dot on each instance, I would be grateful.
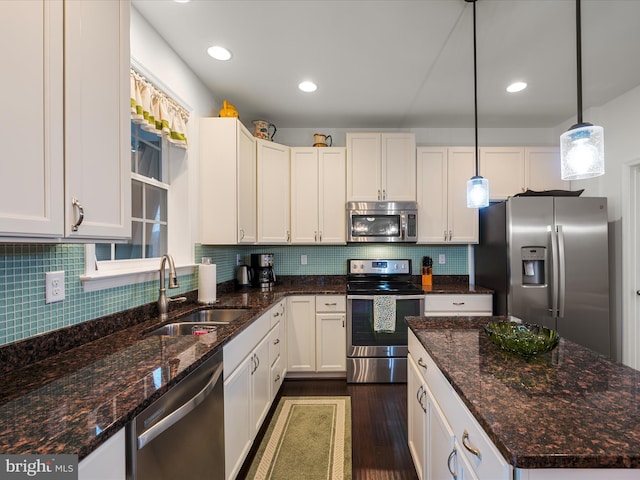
(404, 63)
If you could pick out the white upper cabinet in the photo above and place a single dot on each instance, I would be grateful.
(504, 168)
(273, 192)
(318, 195)
(542, 169)
(381, 166)
(228, 179)
(513, 170)
(443, 216)
(31, 184)
(67, 164)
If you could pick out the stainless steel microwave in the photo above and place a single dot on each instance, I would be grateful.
(382, 222)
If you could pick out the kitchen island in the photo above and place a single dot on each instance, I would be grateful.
(569, 409)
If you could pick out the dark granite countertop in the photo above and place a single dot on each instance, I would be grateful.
(70, 390)
(569, 408)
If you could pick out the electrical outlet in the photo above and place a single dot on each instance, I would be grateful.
(442, 259)
(54, 286)
(238, 259)
(303, 259)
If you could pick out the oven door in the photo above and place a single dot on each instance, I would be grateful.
(364, 342)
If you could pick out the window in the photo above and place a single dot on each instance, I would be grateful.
(149, 201)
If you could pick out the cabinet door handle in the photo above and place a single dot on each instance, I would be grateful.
(421, 363)
(277, 378)
(468, 446)
(241, 234)
(384, 194)
(445, 235)
(315, 236)
(276, 341)
(320, 236)
(452, 455)
(78, 205)
(342, 323)
(458, 303)
(450, 234)
(288, 236)
(333, 304)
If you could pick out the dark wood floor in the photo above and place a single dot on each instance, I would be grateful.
(379, 428)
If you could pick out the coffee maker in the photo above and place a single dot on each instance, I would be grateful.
(262, 266)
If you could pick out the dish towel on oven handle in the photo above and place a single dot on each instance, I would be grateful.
(384, 313)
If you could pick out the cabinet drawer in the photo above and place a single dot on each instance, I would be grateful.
(277, 313)
(488, 462)
(458, 304)
(331, 303)
(275, 343)
(237, 349)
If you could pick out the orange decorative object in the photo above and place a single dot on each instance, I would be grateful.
(228, 110)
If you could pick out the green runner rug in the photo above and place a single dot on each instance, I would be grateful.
(308, 438)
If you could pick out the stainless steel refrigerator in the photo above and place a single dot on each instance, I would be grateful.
(546, 258)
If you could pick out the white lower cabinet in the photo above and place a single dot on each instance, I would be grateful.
(458, 304)
(331, 334)
(107, 462)
(316, 334)
(248, 387)
(301, 333)
(445, 441)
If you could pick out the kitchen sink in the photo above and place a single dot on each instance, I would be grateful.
(186, 328)
(216, 315)
(199, 322)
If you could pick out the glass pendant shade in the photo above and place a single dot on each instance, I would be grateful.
(582, 152)
(477, 192)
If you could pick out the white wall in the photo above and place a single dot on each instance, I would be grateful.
(621, 124)
(161, 65)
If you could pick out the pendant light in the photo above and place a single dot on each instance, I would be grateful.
(582, 146)
(477, 186)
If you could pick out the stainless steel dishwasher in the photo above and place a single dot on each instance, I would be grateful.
(181, 435)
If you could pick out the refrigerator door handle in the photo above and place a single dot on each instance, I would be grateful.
(561, 272)
(554, 268)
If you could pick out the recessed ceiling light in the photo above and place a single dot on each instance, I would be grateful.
(308, 86)
(516, 87)
(182, 1)
(219, 53)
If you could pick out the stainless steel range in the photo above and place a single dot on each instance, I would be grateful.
(380, 294)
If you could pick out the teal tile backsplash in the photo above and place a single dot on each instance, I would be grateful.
(23, 312)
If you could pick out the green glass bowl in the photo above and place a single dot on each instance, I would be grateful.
(522, 338)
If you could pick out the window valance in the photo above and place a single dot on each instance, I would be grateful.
(157, 112)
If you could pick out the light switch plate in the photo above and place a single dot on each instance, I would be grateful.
(54, 286)
(442, 259)
(303, 259)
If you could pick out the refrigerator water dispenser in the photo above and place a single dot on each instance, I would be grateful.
(533, 260)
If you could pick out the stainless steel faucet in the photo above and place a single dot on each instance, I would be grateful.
(163, 302)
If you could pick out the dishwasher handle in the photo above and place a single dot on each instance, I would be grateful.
(180, 412)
